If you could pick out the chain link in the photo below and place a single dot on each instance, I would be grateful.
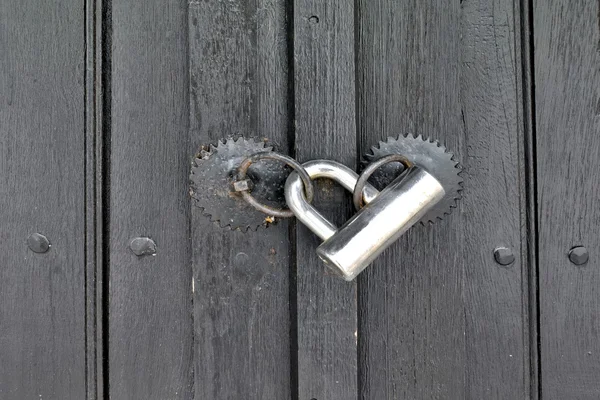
(241, 184)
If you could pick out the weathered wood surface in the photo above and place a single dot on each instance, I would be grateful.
(325, 128)
(239, 86)
(438, 317)
(42, 182)
(567, 99)
(150, 297)
(220, 314)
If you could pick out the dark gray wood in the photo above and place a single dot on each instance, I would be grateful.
(239, 86)
(150, 306)
(134, 89)
(325, 128)
(94, 197)
(42, 158)
(438, 317)
(567, 93)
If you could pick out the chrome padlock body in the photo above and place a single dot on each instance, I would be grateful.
(386, 216)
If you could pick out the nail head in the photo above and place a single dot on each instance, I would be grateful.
(38, 243)
(142, 246)
(504, 255)
(579, 255)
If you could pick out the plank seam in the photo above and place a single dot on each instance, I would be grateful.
(90, 309)
(359, 151)
(106, 80)
(93, 199)
(292, 227)
(528, 93)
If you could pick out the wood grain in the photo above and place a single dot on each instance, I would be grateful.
(239, 86)
(325, 128)
(42, 180)
(150, 307)
(438, 317)
(567, 93)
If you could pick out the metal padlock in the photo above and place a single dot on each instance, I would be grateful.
(387, 215)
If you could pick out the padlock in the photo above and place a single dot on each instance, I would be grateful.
(386, 216)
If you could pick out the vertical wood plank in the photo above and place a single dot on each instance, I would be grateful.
(239, 86)
(42, 181)
(325, 128)
(150, 325)
(439, 318)
(567, 95)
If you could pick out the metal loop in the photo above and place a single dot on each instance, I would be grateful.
(357, 195)
(295, 165)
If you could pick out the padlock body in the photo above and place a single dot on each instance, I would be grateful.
(381, 222)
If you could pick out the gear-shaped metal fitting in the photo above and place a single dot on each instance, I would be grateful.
(212, 176)
(241, 184)
(427, 154)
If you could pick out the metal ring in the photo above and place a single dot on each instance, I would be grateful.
(357, 197)
(295, 165)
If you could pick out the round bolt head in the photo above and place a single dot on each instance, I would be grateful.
(579, 255)
(504, 255)
(38, 243)
(142, 246)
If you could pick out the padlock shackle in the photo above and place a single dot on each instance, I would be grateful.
(306, 213)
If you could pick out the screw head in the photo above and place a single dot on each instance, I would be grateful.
(38, 243)
(504, 255)
(579, 255)
(142, 246)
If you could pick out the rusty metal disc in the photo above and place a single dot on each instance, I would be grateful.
(213, 172)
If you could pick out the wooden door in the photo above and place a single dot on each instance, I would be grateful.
(104, 103)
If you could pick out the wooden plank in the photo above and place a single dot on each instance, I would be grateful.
(42, 157)
(567, 93)
(325, 128)
(438, 317)
(150, 326)
(239, 86)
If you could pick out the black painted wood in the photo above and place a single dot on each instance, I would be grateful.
(325, 128)
(95, 82)
(438, 317)
(42, 158)
(150, 297)
(133, 90)
(239, 86)
(567, 94)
